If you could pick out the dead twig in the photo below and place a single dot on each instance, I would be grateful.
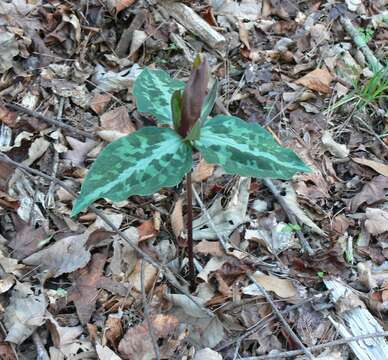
(271, 186)
(281, 318)
(165, 270)
(211, 223)
(48, 120)
(262, 322)
(323, 346)
(147, 314)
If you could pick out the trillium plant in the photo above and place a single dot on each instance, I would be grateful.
(152, 158)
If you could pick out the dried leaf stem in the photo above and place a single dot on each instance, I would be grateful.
(189, 224)
(49, 120)
(281, 318)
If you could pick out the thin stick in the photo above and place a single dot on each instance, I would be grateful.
(281, 318)
(270, 185)
(164, 269)
(262, 322)
(146, 313)
(189, 226)
(49, 120)
(318, 347)
(211, 223)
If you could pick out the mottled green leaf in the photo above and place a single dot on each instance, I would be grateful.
(176, 108)
(138, 164)
(246, 149)
(153, 90)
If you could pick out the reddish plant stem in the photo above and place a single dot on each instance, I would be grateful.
(189, 226)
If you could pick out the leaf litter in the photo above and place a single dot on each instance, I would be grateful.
(290, 66)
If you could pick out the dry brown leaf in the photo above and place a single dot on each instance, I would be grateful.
(24, 313)
(64, 256)
(136, 343)
(115, 124)
(213, 248)
(8, 117)
(113, 330)
(202, 171)
(84, 290)
(379, 167)
(281, 287)
(374, 191)
(27, 239)
(318, 80)
(79, 150)
(123, 4)
(99, 102)
(244, 34)
(148, 229)
(150, 273)
(177, 222)
(377, 221)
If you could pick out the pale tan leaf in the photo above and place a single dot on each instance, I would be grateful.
(213, 248)
(281, 287)
(377, 221)
(338, 150)
(105, 353)
(202, 171)
(115, 124)
(177, 222)
(150, 273)
(318, 80)
(379, 167)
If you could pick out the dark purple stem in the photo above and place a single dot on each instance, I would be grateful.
(189, 225)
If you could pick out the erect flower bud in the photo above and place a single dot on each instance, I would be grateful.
(194, 95)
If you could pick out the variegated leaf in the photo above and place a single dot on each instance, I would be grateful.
(153, 90)
(246, 149)
(138, 164)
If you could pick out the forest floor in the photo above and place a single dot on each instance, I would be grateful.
(305, 268)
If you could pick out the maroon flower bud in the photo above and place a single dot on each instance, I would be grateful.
(194, 95)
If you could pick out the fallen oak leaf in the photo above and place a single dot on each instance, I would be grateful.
(27, 239)
(84, 290)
